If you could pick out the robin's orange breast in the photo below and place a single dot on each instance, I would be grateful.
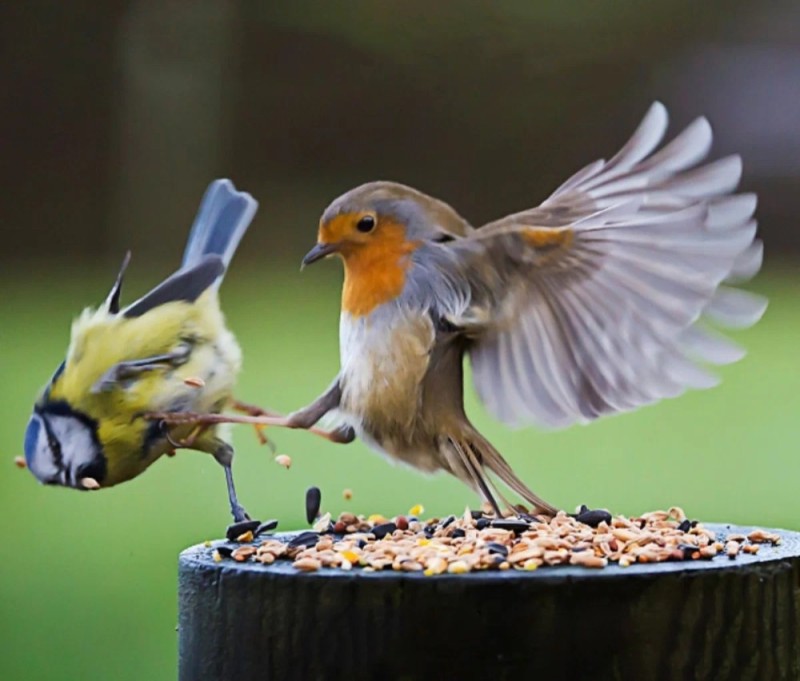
(375, 271)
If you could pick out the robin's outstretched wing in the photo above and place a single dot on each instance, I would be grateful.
(593, 302)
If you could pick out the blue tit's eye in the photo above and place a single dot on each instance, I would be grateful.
(366, 224)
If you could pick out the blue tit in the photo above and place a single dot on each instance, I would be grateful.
(169, 352)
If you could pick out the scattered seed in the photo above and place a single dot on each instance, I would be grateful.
(416, 510)
(380, 531)
(217, 556)
(458, 567)
(685, 525)
(495, 547)
(763, 537)
(89, 483)
(305, 539)
(19, 462)
(732, 548)
(194, 382)
(513, 524)
(323, 524)
(347, 494)
(593, 518)
(267, 526)
(466, 543)
(235, 530)
(446, 522)
(241, 554)
(307, 564)
(313, 501)
(245, 537)
(284, 460)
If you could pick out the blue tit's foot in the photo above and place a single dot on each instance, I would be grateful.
(240, 516)
(223, 453)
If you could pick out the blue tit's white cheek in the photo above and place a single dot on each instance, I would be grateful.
(77, 443)
(38, 455)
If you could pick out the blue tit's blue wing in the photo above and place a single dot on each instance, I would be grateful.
(186, 285)
(222, 220)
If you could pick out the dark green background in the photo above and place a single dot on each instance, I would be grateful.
(116, 115)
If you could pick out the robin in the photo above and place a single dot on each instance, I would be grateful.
(592, 303)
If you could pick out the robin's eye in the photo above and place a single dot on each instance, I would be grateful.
(366, 224)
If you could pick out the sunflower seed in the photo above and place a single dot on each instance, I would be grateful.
(313, 501)
(237, 529)
(267, 526)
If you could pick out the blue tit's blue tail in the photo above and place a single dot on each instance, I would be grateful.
(222, 219)
(221, 222)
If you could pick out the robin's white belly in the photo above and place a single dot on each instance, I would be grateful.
(384, 360)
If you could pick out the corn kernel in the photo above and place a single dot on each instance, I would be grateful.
(349, 555)
(417, 510)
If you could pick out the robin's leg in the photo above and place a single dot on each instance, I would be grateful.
(306, 417)
(303, 419)
(253, 410)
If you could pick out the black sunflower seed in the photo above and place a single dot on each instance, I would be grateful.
(458, 533)
(267, 526)
(513, 524)
(224, 550)
(449, 519)
(237, 529)
(306, 539)
(476, 515)
(313, 501)
(685, 526)
(380, 531)
(594, 518)
(495, 547)
(482, 523)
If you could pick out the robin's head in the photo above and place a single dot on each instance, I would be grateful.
(382, 219)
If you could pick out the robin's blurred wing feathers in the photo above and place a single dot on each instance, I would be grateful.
(593, 299)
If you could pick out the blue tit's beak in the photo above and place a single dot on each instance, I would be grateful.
(319, 252)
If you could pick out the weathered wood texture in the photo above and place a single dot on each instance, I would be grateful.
(719, 620)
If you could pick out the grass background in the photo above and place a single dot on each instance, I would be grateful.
(93, 576)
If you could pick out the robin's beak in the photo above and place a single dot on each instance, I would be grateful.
(319, 252)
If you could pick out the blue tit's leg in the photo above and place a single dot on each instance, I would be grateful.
(224, 455)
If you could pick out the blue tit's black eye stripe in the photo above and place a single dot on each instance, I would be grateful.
(61, 408)
(55, 446)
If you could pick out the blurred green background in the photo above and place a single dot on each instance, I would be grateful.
(116, 115)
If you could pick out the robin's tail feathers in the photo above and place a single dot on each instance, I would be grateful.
(471, 456)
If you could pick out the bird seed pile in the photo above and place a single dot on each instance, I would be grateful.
(478, 540)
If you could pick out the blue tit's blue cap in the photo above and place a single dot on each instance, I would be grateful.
(31, 438)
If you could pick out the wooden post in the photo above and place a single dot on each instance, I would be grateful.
(717, 620)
